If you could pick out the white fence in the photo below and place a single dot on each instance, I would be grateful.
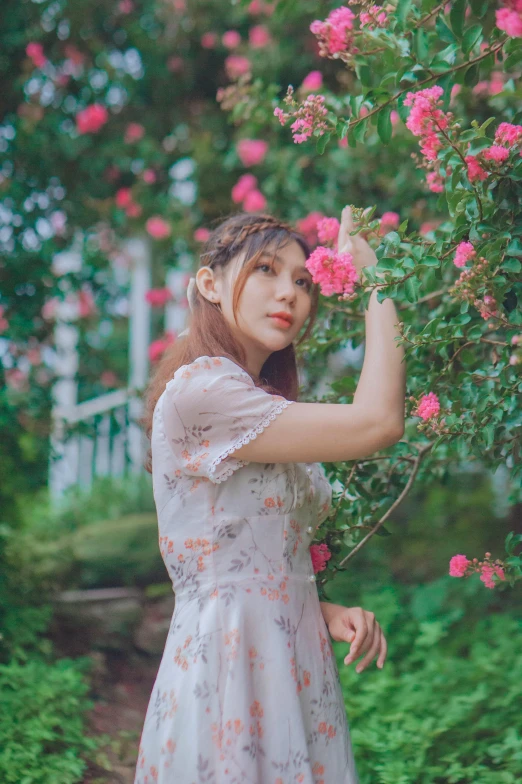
(101, 436)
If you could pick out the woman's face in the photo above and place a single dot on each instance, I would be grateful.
(277, 284)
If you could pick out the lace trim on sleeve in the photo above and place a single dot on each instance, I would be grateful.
(250, 436)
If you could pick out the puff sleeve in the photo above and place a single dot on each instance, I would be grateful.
(210, 408)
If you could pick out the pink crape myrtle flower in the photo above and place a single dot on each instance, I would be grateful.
(133, 133)
(236, 65)
(158, 297)
(231, 39)
(328, 230)
(308, 117)
(133, 210)
(335, 272)
(149, 176)
(34, 51)
(92, 118)
(376, 16)
(158, 347)
(458, 565)
(428, 407)
(259, 37)
(254, 201)
(464, 252)
(123, 198)
(308, 227)
(509, 19)
(313, 81)
(208, 40)
(475, 170)
(389, 221)
(425, 116)
(435, 182)
(487, 572)
(258, 7)
(251, 151)
(245, 184)
(495, 153)
(157, 227)
(320, 554)
(508, 134)
(334, 34)
(201, 234)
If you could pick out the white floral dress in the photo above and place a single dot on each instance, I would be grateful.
(247, 691)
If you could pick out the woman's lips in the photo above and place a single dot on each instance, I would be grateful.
(281, 322)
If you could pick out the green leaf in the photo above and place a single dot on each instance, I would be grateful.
(480, 7)
(513, 59)
(458, 10)
(412, 289)
(382, 531)
(430, 261)
(511, 265)
(420, 44)
(360, 130)
(514, 248)
(471, 77)
(471, 37)
(443, 31)
(322, 142)
(384, 124)
(401, 12)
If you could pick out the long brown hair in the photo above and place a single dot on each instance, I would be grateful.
(209, 333)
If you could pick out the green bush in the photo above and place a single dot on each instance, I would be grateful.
(42, 722)
(445, 709)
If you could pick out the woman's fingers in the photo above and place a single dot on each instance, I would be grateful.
(357, 646)
(374, 649)
(344, 242)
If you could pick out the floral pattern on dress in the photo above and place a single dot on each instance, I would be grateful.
(247, 691)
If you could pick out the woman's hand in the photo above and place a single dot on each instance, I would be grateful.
(360, 629)
(362, 253)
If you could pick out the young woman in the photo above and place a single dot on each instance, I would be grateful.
(248, 690)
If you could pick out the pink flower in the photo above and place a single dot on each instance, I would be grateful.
(208, 40)
(158, 297)
(376, 17)
(35, 52)
(389, 220)
(320, 554)
(458, 565)
(435, 182)
(428, 226)
(149, 176)
(254, 201)
(308, 227)
(428, 407)
(259, 37)
(328, 230)
(175, 64)
(133, 210)
(91, 119)
(464, 252)
(125, 6)
(508, 134)
(309, 117)
(313, 81)
(86, 306)
(123, 198)
(236, 65)
(133, 133)
(158, 228)
(495, 153)
(510, 20)
(475, 170)
(231, 39)
(334, 33)
(487, 574)
(245, 184)
(157, 347)
(425, 118)
(251, 151)
(201, 234)
(257, 7)
(335, 272)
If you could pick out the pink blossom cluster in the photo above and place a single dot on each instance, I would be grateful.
(158, 347)
(428, 406)
(313, 81)
(507, 136)
(427, 120)
(245, 191)
(133, 133)
(509, 18)
(308, 227)
(376, 16)
(461, 566)
(335, 272)
(464, 252)
(251, 151)
(236, 65)
(258, 7)
(92, 118)
(158, 297)
(389, 220)
(320, 554)
(335, 33)
(35, 52)
(125, 201)
(158, 228)
(328, 230)
(202, 234)
(493, 86)
(231, 39)
(259, 37)
(308, 118)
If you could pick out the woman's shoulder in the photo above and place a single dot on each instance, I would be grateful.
(205, 367)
